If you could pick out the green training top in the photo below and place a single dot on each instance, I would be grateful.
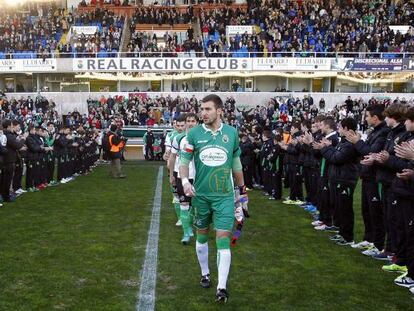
(213, 155)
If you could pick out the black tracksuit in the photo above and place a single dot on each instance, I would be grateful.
(34, 150)
(247, 159)
(10, 158)
(326, 202)
(343, 173)
(293, 153)
(404, 193)
(385, 176)
(61, 153)
(276, 159)
(266, 165)
(371, 205)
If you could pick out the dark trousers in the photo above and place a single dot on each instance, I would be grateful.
(248, 172)
(345, 207)
(405, 240)
(307, 179)
(42, 172)
(17, 176)
(326, 201)
(50, 169)
(277, 185)
(6, 180)
(295, 181)
(311, 179)
(62, 167)
(149, 152)
(267, 180)
(30, 173)
(390, 204)
(286, 181)
(372, 214)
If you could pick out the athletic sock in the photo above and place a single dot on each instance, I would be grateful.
(223, 261)
(185, 218)
(202, 253)
(177, 210)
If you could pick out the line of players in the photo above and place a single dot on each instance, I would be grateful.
(38, 150)
(328, 159)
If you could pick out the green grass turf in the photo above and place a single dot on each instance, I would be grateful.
(280, 263)
(78, 246)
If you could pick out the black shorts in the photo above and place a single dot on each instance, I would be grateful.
(180, 191)
(175, 174)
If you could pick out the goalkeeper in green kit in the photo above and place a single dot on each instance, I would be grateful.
(214, 147)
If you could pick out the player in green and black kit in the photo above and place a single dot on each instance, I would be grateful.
(168, 145)
(214, 146)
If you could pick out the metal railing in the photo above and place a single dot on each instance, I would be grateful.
(192, 53)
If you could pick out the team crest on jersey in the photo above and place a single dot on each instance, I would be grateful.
(225, 139)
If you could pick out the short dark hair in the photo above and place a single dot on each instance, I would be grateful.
(319, 118)
(349, 123)
(409, 114)
(182, 117)
(15, 122)
(191, 115)
(376, 110)
(218, 103)
(113, 127)
(396, 112)
(307, 124)
(6, 124)
(296, 125)
(329, 121)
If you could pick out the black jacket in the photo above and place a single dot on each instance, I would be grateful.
(265, 153)
(385, 174)
(33, 148)
(325, 164)
(293, 152)
(60, 147)
(13, 146)
(375, 143)
(247, 153)
(343, 159)
(399, 186)
(276, 159)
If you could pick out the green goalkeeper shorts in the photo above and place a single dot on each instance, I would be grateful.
(216, 210)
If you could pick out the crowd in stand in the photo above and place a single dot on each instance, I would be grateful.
(280, 110)
(106, 39)
(35, 27)
(143, 43)
(312, 26)
(303, 27)
(37, 145)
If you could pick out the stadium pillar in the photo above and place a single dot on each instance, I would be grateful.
(118, 86)
(287, 84)
(38, 82)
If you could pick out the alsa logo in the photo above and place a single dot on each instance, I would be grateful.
(213, 156)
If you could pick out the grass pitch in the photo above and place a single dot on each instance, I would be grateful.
(81, 246)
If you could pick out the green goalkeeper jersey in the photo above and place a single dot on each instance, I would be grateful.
(213, 155)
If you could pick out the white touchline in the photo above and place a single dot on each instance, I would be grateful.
(146, 297)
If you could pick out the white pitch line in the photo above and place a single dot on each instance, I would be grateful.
(146, 298)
